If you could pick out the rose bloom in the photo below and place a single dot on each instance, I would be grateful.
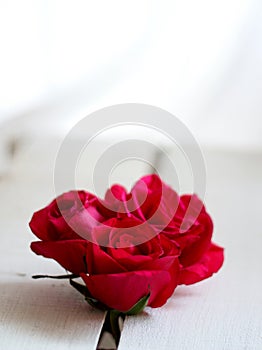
(119, 274)
(129, 244)
(181, 219)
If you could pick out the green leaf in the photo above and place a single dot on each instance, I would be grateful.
(139, 306)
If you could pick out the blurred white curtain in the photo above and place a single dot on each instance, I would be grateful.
(200, 60)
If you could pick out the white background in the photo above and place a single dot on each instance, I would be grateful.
(200, 60)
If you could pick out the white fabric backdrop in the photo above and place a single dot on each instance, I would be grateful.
(200, 60)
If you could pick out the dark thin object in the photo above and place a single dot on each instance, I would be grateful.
(60, 277)
(111, 326)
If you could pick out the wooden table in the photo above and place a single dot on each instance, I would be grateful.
(224, 312)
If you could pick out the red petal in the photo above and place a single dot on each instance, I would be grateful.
(40, 226)
(131, 262)
(157, 200)
(196, 241)
(121, 291)
(116, 192)
(99, 261)
(210, 263)
(70, 254)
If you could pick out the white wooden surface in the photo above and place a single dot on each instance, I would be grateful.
(36, 314)
(224, 312)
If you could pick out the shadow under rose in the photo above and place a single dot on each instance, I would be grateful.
(183, 291)
(46, 313)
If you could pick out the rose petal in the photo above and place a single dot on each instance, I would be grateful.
(116, 192)
(121, 291)
(158, 200)
(210, 263)
(39, 225)
(98, 261)
(129, 261)
(69, 253)
(196, 242)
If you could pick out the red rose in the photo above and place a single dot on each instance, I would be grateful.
(118, 277)
(183, 220)
(128, 244)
